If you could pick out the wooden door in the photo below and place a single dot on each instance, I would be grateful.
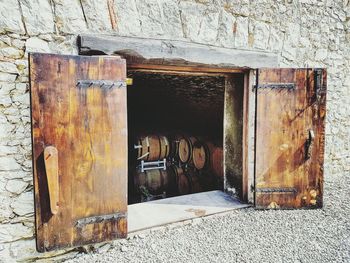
(79, 129)
(290, 121)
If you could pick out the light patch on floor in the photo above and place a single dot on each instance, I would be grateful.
(175, 209)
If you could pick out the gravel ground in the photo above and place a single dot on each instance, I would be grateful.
(247, 235)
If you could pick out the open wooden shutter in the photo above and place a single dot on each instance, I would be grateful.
(290, 121)
(79, 128)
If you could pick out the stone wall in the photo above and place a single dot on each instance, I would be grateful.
(301, 32)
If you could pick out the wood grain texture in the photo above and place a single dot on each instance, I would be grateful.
(88, 126)
(285, 177)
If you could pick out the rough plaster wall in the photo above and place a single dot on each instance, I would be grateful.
(302, 32)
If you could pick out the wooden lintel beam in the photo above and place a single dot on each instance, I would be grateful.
(138, 50)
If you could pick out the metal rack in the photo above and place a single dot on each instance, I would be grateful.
(153, 165)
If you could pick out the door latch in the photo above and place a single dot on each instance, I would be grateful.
(51, 168)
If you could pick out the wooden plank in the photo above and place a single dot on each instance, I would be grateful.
(174, 52)
(285, 177)
(88, 126)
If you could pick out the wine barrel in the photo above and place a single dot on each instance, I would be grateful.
(196, 186)
(186, 148)
(152, 148)
(208, 181)
(216, 159)
(182, 181)
(200, 155)
(155, 181)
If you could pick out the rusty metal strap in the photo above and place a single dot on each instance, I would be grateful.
(99, 219)
(277, 190)
(107, 84)
(276, 86)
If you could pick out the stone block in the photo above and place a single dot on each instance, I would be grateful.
(35, 44)
(5, 101)
(10, 17)
(241, 34)
(275, 42)
(238, 7)
(171, 19)
(18, 43)
(16, 186)
(261, 34)
(293, 34)
(5, 41)
(200, 23)
(69, 16)
(6, 150)
(13, 232)
(11, 52)
(23, 205)
(150, 16)
(8, 67)
(8, 163)
(22, 99)
(21, 88)
(5, 210)
(6, 77)
(37, 16)
(128, 21)
(97, 15)
(6, 88)
(227, 29)
(321, 54)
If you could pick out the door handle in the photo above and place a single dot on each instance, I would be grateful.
(51, 168)
(309, 143)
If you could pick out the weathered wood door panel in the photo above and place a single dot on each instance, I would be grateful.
(290, 119)
(79, 127)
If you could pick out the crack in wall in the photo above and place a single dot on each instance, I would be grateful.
(53, 10)
(82, 9)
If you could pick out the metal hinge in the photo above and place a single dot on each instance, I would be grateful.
(318, 79)
(276, 190)
(318, 83)
(106, 84)
(288, 86)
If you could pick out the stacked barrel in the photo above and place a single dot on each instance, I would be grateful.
(193, 165)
